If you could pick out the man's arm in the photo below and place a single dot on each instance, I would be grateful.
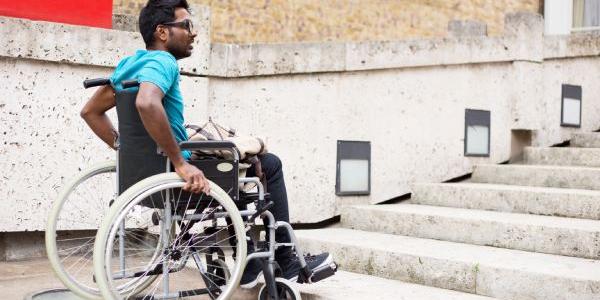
(94, 114)
(152, 113)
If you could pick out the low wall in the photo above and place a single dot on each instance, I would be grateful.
(408, 98)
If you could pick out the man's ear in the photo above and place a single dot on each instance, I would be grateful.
(162, 33)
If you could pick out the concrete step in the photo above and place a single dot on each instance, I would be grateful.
(353, 286)
(586, 140)
(544, 234)
(535, 175)
(574, 203)
(488, 271)
(563, 156)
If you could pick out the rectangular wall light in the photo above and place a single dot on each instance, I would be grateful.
(570, 113)
(477, 133)
(353, 174)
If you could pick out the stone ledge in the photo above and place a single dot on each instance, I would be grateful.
(274, 59)
(228, 60)
(57, 42)
(573, 45)
(523, 40)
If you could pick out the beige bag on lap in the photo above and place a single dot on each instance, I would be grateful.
(247, 146)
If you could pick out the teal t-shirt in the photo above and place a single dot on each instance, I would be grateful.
(161, 69)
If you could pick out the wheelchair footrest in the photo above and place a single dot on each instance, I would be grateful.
(317, 274)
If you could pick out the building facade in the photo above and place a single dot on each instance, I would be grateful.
(287, 21)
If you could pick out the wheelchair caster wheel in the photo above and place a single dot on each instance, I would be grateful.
(285, 291)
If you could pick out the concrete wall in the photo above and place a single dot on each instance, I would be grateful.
(44, 142)
(407, 97)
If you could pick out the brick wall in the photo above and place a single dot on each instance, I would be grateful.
(280, 21)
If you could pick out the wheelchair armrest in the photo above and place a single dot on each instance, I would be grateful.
(212, 145)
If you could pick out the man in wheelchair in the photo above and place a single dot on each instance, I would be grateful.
(168, 33)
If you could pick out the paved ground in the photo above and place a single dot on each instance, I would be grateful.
(21, 278)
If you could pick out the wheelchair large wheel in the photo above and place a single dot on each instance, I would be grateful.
(202, 255)
(71, 228)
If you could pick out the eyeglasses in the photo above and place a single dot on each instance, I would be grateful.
(185, 24)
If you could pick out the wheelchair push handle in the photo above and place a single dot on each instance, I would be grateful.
(88, 83)
(130, 83)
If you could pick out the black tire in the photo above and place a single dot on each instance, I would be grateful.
(285, 290)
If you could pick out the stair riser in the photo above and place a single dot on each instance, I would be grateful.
(407, 268)
(517, 201)
(587, 140)
(462, 276)
(563, 157)
(576, 178)
(534, 238)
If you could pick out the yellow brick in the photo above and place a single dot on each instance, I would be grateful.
(281, 21)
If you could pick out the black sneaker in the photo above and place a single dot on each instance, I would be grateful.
(251, 274)
(291, 267)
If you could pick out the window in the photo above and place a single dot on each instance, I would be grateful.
(586, 15)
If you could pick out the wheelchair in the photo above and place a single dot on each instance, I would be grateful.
(147, 238)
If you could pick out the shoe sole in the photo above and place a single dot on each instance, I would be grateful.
(327, 261)
(252, 283)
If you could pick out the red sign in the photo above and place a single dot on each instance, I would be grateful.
(96, 13)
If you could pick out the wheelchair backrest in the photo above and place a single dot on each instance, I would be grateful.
(138, 155)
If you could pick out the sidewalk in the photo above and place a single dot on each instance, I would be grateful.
(20, 278)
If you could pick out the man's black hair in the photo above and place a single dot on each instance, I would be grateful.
(158, 12)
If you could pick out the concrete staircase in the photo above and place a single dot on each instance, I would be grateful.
(528, 231)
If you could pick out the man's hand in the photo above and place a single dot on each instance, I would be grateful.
(195, 181)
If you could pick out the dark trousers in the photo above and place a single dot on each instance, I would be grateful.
(271, 166)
